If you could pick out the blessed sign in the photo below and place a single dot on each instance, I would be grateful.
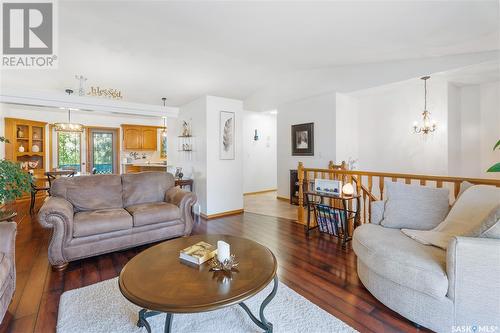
(105, 92)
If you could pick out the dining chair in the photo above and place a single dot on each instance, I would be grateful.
(34, 190)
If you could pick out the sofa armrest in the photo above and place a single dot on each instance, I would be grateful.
(57, 214)
(185, 201)
(8, 237)
(473, 268)
(377, 211)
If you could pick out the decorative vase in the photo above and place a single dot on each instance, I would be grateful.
(20, 133)
(35, 149)
(21, 148)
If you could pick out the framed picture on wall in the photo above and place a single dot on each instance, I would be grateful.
(303, 139)
(226, 135)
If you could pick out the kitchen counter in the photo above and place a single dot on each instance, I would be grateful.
(139, 167)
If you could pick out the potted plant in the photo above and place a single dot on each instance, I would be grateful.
(496, 167)
(13, 181)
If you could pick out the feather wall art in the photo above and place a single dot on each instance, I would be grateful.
(227, 129)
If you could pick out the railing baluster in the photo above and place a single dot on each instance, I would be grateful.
(456, 189)
(344, 175)
(381, 187)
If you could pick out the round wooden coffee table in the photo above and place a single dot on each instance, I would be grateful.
(159, 282)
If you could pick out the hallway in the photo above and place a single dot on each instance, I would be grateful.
(268, 204)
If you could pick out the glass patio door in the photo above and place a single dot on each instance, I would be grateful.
(103, 154)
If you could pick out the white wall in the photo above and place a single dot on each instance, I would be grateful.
(217, 183)
(468, 118)
(386, 141)
(489, 127)
(319, 110)
(224, 177)
(259, 157)
(454, 131)
(474, 123)
(194, 164)
(470, 152)
(346, 132)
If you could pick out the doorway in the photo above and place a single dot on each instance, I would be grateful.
(102, 150)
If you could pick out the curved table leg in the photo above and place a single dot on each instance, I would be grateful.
(144, 314)
(262, 323)
(168, 322)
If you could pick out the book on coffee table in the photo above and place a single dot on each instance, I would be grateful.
(198, 253)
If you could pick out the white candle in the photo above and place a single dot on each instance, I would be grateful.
(223, 251)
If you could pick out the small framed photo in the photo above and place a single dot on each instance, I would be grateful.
(303, 139)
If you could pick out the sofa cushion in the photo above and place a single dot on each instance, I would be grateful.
(145, 187)
(5, 268)
(101, 221)
(391, 254)
(475, 212)
(90, 192)
(414, 206)
(150, 213)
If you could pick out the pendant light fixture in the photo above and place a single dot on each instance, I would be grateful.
(164, 128)
(69, 126)
(428, 126)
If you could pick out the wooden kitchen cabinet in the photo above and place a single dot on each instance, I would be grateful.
(140, 137)
(149, 138)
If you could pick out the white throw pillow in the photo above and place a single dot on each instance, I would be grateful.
(414, 206)
(476, 213)
(471, 209)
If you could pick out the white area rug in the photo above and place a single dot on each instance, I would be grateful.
(102, 308)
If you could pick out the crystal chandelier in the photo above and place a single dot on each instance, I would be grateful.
(164, 128)
(428, 126)
(69, 126)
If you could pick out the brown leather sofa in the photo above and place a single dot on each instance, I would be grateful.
(7, 265)
(97, 214)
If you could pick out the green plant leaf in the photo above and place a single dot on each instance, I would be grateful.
(494, 168)
(497, 145)
(13, 181)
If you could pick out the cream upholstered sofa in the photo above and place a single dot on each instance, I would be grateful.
(7, 265)
(447, 290)
(92, 215)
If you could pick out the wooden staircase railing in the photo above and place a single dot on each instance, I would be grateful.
(370, 185)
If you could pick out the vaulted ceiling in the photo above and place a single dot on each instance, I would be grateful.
(182, 50)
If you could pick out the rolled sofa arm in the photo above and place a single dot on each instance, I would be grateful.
(185, 201)
(8, 237)
(377, 211)
(57, 214)
(473, 268)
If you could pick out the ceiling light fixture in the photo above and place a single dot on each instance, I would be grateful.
(428, 125)
(164, 128)
(69, 126)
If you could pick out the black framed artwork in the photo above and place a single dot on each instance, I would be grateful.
(303, 139)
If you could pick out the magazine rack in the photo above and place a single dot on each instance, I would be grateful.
(332, 213)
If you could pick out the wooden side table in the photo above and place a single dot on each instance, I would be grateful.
(184, 182)
(324, 213)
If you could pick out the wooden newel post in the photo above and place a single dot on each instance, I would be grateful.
(300, 211)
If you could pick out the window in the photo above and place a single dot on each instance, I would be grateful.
(69, 150)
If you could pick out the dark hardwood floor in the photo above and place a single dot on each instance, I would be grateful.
(316, 267)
